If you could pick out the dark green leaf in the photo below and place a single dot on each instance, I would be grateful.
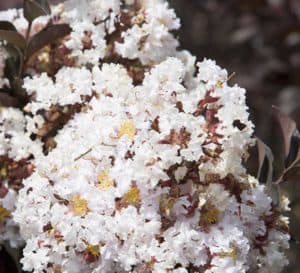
(14, 38)
(6, 25)
(47, 36)
(33, 9)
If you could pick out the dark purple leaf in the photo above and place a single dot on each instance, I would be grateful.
(265, 162)
(8, 101)
(48, 35)
(294, 154)
(265, 171)
(13, 63)
(7, 263)
(14, 38)
(274, 192)
(293, 174)
(6, 25)
(34, 9)
(290, 135)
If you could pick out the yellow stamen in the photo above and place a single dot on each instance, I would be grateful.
(3, 172)
(105, 180)
(4, 213)
(94, 250)
(133, 196)
(219, 84)
(128, 129)
(139, 19)
(231, 254)
(79, 205)
(210, 216)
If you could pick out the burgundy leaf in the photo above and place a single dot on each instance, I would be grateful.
(13, 37)
(48, 35)
(7, 264)
(290, 135)
(6, 25)
(293, 174)
(265, 162)
(8, 101)
(14, 63)
(33, 9)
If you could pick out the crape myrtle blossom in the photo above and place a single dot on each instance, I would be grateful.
(145, 170)
(16, 149)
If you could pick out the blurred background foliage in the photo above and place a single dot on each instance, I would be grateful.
(260, 41)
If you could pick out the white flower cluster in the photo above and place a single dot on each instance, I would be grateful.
(149, 38)
(15, 144)
(148, 176)
(15, 133)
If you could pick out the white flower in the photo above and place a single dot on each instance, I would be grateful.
(14, 140)
(149, 38)
(147, 174)
(70, 86)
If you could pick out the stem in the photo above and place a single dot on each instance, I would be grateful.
(23, 59)
(280, 179)
(27, 41)
(20, 72)
(28, 31)
(82, 155)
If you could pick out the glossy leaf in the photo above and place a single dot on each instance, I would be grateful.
(6, 25)
(34, 9)
(14, 38)
(46, 36)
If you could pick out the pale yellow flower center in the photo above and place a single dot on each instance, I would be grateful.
(79, 205)
(231, 254)
(94, 250)
(210, 216)
(127, 128)
(4, 213)
(133, 196)
(105, 180)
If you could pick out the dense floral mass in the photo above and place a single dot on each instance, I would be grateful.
(128, 156)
